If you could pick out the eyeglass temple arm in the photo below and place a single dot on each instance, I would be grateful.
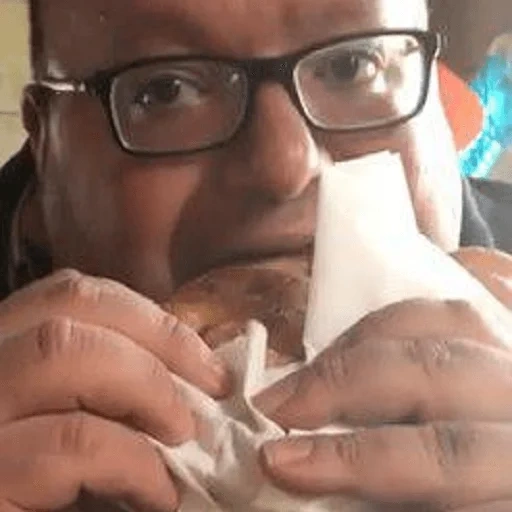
(61, 86)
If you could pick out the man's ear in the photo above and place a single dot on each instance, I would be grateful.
(34, 110)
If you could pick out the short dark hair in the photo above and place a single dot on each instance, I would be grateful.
(36, 36)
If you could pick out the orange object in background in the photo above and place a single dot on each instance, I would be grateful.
(462, 106)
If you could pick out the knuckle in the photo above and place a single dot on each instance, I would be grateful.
(432, 356)
(54, 337)
(443, 446)
(333, 367)
(462, 309)
(85, 289)
(169, 326)
(155, 371)
(450, 445)
(75, 435)
(389, 315)
(77, 288)
(66, 274)
(372, 323)
(349, 449)
(385, 314)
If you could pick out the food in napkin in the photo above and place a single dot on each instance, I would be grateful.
(368, 253)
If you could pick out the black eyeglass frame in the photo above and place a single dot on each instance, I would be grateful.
(257, 71)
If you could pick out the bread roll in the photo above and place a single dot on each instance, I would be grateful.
(218, 304)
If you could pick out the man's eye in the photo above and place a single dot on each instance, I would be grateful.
(167, 92)
(348, 69)
(410, 46)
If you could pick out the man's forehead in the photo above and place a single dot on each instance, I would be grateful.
(84, 36)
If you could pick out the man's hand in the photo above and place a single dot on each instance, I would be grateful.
(427, 387)
(86, 370)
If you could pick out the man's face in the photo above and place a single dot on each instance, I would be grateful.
(154, 223)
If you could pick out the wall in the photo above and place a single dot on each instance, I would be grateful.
(13, 72)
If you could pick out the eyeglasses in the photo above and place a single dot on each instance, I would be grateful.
(172, 105)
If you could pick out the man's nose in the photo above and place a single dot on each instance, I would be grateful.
(278, 156)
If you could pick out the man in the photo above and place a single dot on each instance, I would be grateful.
(169, 138)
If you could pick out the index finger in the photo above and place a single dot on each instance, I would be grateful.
(386, 347)
(444, 465)
(106, 303)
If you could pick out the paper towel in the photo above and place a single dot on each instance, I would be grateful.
(368, 253)
(221, 469)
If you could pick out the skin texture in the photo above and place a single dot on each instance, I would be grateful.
(87, 364)
(159, 222)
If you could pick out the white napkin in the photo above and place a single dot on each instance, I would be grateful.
(221, 470)
(368, 253)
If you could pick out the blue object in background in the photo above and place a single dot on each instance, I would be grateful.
(493, 85)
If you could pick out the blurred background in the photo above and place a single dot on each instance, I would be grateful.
(14, 72)
(470, 26)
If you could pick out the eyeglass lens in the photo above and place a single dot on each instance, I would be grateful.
(183, 105)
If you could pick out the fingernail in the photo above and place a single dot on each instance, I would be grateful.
(217, 376)
(223, 377)
(187, 429)
(220, 334)
(288, 451)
